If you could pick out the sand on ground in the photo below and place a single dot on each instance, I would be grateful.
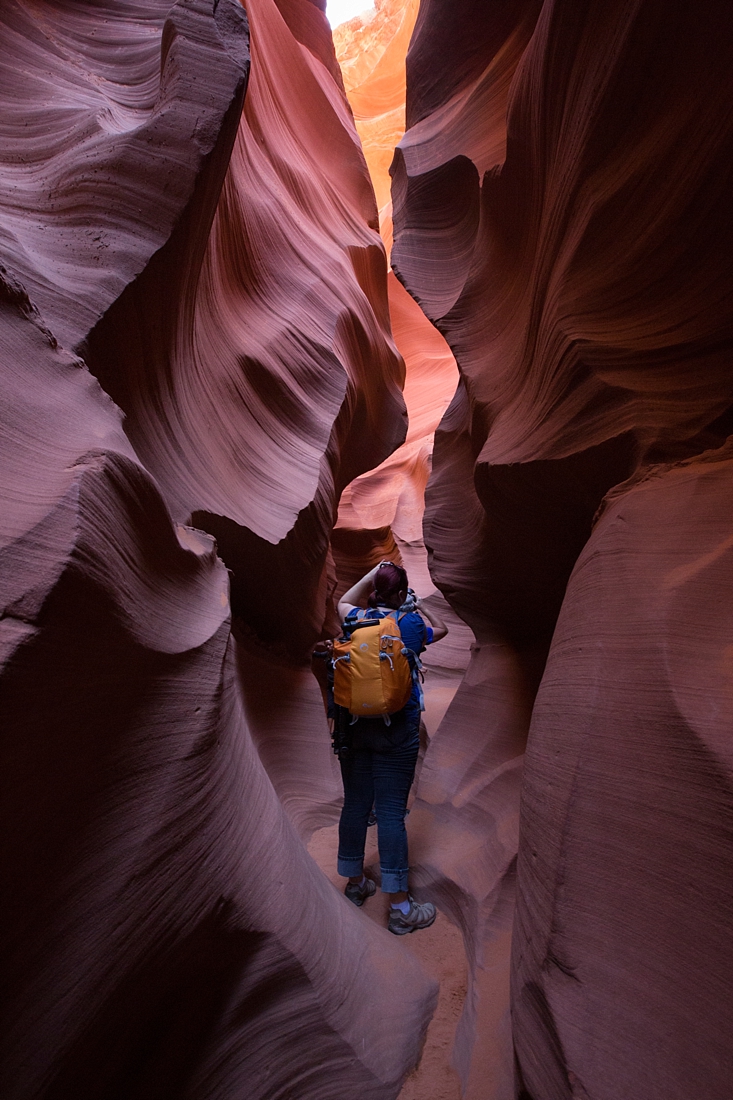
(439, 949)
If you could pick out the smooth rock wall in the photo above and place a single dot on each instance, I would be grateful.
(560, 213)
(622, 957)
(164, 931)
(381, 511)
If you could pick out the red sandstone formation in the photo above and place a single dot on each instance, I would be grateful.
(392, 495)
(561, 213)
(165, 933)
(623, 954)
(388, 501)
(371, 50)
(274, 352)
(195, 335)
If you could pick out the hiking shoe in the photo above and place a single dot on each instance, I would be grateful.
(421, 915)
(358, 894)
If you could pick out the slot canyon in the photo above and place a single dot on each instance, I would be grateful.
(450, 284)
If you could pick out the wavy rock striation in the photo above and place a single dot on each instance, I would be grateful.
(371, 51)
(559, 214)
(387, 503)
(159, 910)
(273, 352)
(622, 954)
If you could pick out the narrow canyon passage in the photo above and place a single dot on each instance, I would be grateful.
(450, 285)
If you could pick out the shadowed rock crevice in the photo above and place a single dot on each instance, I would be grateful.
(190, 1006)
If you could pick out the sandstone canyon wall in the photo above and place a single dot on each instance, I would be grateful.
(561, 213)
(195, 341)
(201, 350)
(371, 51)
(381, 511)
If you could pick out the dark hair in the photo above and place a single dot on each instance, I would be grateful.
(390, 586)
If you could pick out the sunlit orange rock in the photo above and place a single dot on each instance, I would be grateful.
(371, 50)
(392, 495)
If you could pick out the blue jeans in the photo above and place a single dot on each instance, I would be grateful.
(383, 780)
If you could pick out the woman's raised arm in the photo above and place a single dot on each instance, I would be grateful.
(439, 628)
(358, 592)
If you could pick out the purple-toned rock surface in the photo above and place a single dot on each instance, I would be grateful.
(623, 958)
(560, 213)
(165, 933)
(197, 360)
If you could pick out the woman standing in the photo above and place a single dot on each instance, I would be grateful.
(380, 765)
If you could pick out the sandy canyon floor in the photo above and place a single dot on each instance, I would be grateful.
(439, 949)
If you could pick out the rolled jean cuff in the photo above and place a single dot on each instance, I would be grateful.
(394, 882)
(350, 866)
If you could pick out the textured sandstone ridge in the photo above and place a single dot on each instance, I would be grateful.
(393, 494)
(371, 51)
(623, 955)
(164, 931)
(273, 351)
(560, 213)
(602, 318)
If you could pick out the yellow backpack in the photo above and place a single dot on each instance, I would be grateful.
(371, 670)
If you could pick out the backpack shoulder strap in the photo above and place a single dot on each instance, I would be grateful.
(396, 615)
